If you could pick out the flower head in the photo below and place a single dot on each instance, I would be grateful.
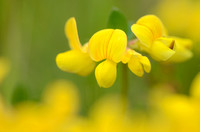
(154, 40)
(108, 45)
(151, 35)
(77, 60)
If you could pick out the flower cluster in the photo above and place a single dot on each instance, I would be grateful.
(111, 47)
(58, 112)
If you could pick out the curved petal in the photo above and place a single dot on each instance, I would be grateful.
(162, 51)
(182, 54)
(117, 45)
(143, 34)
(74, 61)
(108, 44)
(153, 23)
(146, 63)
(71, 33)
(186, 43)
(135, 66)
(106, 73)
(183, 50)
(98, 44)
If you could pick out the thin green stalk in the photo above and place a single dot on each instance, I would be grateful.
(124, 88)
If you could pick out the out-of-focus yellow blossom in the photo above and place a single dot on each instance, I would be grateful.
(154, 40)
(76, 60)
(60, 104)
(181, 112)
(195, 88)
(108, 115)
(136, 62)
(62, 98)
(4, 68)
(181, 17)
(58, 107)
(108, 45)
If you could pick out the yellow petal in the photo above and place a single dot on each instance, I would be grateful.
(183, 50)
(154, 24)
(162, 50)
(72, 34)
(74, 61)
(106, 73)
(143, 34)
(195, 87)
(135, 66)
(127, 55)
(186, 43)
(182, 54)
(117, 45)
(98, 44)
(108, 44)
(146, 63)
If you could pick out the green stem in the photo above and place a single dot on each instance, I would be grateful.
(124, 88)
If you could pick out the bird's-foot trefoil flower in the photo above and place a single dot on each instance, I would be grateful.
(154, 40)
(77, 60)
(108, 45)
(111, 46)
(136, 62)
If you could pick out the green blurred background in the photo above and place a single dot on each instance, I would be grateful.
(32, 34)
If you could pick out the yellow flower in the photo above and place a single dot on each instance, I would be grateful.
(108, 45)
(77, 60)
(151, 34)
(136, 62)
(195, 87)
(154, 40)
(58, 108)
(4, 68)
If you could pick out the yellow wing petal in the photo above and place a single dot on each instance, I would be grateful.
(106, 73)
(146, 63)
(71, 33)
(186, 43)
(117, 45)
(74, 61)
(98, 44)
(183, 50)
(162, 50)
(143, 34)
(108, 44)
(135, 66)
(153, 23)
